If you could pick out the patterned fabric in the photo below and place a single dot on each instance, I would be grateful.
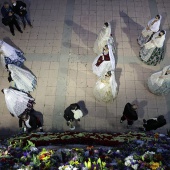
(18, 62)
(106, 88)
(159, 82)
(156, 56)
(23, 79)
(18, 102)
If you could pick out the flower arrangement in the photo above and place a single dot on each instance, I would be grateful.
(141, 151)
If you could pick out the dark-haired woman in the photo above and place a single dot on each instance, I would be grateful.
(152, 52)
(106, 87)
(102, 38)
(151, 28)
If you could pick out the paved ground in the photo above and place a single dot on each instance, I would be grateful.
(59, 52)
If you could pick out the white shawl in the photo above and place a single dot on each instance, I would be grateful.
(155, 26)
(156, 41)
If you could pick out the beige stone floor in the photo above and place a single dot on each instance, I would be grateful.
(59, 52)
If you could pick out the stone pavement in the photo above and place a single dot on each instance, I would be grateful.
(59, 52)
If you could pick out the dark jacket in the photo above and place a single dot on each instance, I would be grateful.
(154, 124)
(68, 114)
(5, 12)
(129, 112)
(19, 8)
(34, 122)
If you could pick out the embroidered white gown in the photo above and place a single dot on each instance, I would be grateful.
(11, 55)
(106, 88)
(152, 52)
(18, 102)
(146, 34)
(102, 39)
(23, 79)
(159, 82)
(108, 65)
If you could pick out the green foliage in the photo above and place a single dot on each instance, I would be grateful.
(29, 145)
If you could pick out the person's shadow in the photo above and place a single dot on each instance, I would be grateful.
(79, 30)
(130, 24)
(141, 105)
(113, 27)
(118, 72)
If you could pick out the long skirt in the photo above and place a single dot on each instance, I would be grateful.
(151, 56)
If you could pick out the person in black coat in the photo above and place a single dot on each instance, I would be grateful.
(153, 124)
(129, 114)
(31, 121)
(69, 114)
(19, 8)
(9, 18)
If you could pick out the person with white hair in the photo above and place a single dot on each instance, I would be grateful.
(102, 38)
(159, 82)
(152, 52)
(151, 28)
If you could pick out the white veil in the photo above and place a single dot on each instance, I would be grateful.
(156, 25)
(17, 102)
(23, 79)
(159, 42)
(113, 82)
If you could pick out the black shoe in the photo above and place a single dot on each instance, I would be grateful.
(13, 34)
(78, 120)
(144, 121)
(41, 130)
(68, 123)
(20, 31)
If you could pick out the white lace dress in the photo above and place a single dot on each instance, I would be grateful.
(106, 88)
(11, 55)
(159, 83)
(18, 102)
(102, 39)
(23, 79)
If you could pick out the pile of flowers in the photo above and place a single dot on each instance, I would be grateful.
(152, 153)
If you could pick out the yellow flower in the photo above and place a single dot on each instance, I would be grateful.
(156, 135)
(154, 165)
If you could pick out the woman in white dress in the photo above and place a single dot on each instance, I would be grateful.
(102, 63)
(23, 79)
(152, 52)
(106, 87)
(18, 102)
(159, 83)
(102, 38)
(152, 27)
(10, 55)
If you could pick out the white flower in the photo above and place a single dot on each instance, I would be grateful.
(67, 167)
(127, 163)
(135, 166)
(118, 151)
(129, 158)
